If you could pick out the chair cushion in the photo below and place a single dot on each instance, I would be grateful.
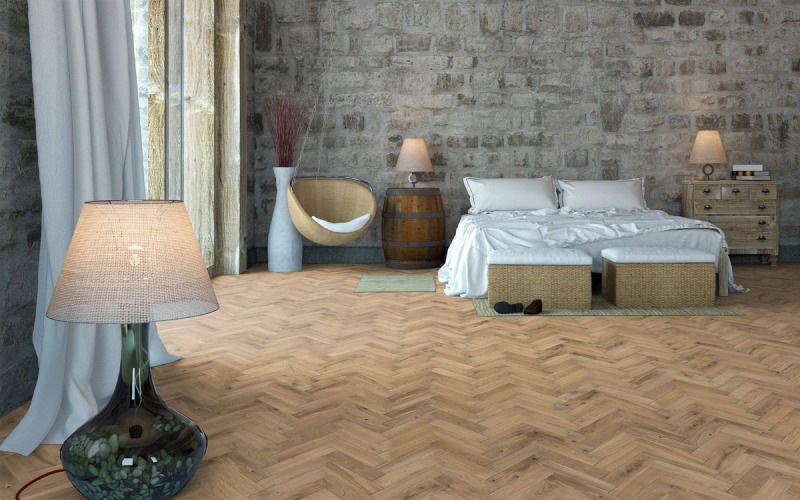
(343, 227)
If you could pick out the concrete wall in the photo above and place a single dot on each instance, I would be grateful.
(579, 90)
(20, 209)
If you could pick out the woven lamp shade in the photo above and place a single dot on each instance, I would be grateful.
(708, 148)
(414, 157)
(132, 261)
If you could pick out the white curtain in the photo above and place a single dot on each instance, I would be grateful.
(89, 145)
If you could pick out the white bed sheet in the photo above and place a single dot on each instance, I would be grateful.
(464, 270)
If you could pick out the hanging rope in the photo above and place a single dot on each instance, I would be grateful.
(323, 86)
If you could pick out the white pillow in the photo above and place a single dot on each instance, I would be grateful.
(510, 194)
(596, 195)
(343, 227)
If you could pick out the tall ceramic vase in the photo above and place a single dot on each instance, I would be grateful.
(284, 243)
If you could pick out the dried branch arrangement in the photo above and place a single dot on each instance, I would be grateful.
(285, 115)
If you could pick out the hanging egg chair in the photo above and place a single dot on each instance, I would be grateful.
(331, 210)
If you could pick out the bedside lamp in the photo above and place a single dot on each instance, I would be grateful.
(413, 158)
(133, 262)
(708, 149)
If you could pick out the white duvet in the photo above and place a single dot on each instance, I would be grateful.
(464, 270)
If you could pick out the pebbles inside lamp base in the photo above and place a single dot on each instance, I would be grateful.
(137, 446)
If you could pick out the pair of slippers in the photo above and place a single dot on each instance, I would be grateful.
(503, 307)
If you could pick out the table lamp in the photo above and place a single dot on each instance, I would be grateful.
(413, 158)
(708, 149)
(133, 262)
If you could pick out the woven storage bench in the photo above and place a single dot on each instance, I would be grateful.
(560, 277)
(658, 277)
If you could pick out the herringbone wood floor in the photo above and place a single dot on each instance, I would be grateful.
(308, 390)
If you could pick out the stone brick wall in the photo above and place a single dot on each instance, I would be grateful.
(579, 90)
(20, 209)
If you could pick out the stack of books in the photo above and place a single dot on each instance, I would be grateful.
(749, 173)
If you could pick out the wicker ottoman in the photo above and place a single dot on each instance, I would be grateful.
(560, 277)
(658, 277)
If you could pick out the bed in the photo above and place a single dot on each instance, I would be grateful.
(616, 216)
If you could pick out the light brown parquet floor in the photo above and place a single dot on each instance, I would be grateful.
(309, 390)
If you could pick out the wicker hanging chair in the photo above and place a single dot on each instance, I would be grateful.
(329, 210)
(340, 204)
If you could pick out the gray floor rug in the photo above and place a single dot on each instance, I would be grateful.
(396, 283)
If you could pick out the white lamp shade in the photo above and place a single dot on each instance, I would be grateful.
(708, 148)
(132, 261)
(414, 157)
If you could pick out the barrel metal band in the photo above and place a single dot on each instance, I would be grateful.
(414, 191)
(415, 215)
(413, 244)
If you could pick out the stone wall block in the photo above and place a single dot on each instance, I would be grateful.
(612, 111)
(610, 19)
(492, 141)
(263, 26)
(714, 35)
(524, 139)
(297, 40)
(686, 67)
(713, 67)
(413, 42)
(542, 19)
(448, 82)
(653, 19)
(711, 121)
(778, 126)
(691, 18)
(447, 44)
(576, 158)
(390, 15)
(376, 43)
(512, 16)
(575, 19)
(356, 17)
(423, 15)
(353, 121)
(461, 16)
(463, 62)
(488, 19)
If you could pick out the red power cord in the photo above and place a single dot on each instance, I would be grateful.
(36, 479)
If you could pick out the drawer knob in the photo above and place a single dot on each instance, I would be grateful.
(706, 191)
(762, 222)
(762, 238)
(765, 190)
(707, 207)
(736, 191)
(762, 207)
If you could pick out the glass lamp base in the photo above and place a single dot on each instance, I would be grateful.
(137, 446)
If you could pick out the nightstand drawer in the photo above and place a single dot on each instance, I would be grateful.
(730, 207)
(735, 192)
(763, 193)
(759, 224)
(706, 192)
(745, 239)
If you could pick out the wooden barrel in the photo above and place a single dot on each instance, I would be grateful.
(413, 228)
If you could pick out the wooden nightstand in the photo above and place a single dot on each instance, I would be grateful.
(413, 228)
(747, 211)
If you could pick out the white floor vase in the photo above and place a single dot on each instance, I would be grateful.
(284, 243)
